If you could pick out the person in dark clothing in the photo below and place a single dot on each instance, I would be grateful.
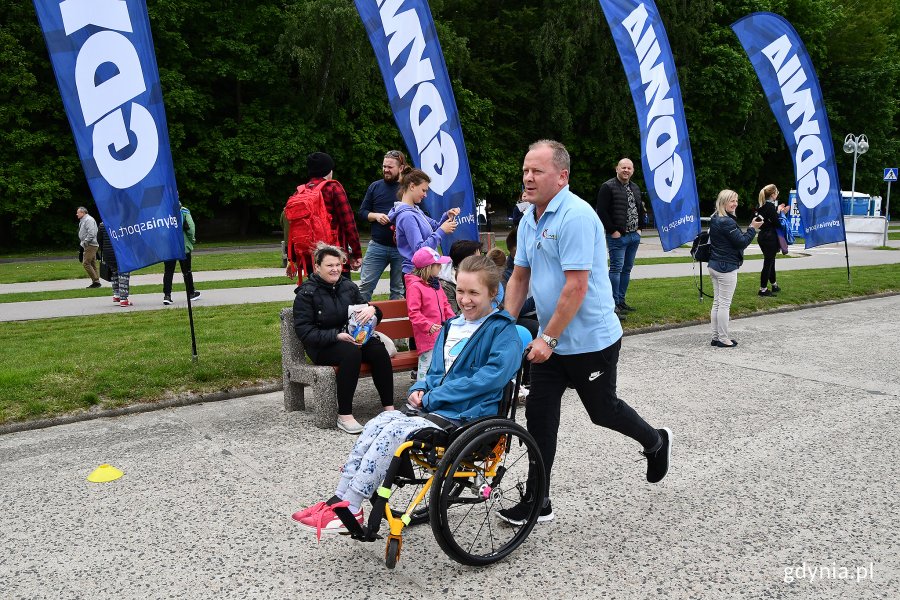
(769, 211)
(320, 172)
(382, 250)
(320, 315)
(528, 313)
(190, 238)
(621, 211)
(120, 281)
(727, 243)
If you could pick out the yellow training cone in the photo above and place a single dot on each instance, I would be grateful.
(104, 473)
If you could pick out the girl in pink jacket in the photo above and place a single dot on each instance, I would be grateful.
(426, 303)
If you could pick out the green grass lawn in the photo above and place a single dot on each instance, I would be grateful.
(60, 365)
(250, 241)
(60, 252)
(665, 260)
(21, 272)
(106, 290)
(141, 289)
(34, 271)
(55, 366)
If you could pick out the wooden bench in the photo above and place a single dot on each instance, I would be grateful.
(298, 373)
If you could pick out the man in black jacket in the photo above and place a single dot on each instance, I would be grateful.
(620, 209)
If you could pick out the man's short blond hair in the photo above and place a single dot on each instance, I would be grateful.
(561, 158)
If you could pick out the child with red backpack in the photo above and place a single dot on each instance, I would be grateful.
(426, 303)
(319, 212)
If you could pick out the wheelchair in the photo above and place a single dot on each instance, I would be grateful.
(456, 479)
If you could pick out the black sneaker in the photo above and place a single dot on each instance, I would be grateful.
(94, 284)
(167, 299)
(625, 307)
(620, 313)
(195, 295)
(518, 514)
(775, 288)
(658, 460)
(765, 292)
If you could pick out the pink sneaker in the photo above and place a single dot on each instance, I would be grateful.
(310, 510)
(321, 518)
(126, 302)
(116, 299)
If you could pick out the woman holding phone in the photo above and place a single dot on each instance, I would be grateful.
(727, 243)
(769, 212)
(415, 229)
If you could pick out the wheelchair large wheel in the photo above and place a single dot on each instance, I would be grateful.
(483, 471)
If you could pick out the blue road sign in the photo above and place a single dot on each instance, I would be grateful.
(890, 174)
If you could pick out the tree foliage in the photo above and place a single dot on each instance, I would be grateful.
(251, 88)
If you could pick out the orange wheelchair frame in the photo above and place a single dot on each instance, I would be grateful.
(457, 480)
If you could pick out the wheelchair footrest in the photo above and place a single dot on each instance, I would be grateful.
(365, 535)
(356, 530)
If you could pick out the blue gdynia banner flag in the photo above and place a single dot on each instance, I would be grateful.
(105, 65)
(666, 152)
(412, 64)
(792, 88)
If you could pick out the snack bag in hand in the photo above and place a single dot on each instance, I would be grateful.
(360, 332)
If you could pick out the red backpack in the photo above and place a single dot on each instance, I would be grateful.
(309, 224)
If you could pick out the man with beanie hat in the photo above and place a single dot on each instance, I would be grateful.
(320, 166)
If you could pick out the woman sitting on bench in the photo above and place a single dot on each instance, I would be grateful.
(320, 319)
(475, 355)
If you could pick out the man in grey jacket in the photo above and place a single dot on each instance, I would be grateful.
(87, 234)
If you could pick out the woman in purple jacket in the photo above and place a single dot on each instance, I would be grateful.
(414, 229)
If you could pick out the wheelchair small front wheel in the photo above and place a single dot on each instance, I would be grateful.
(392, 552)
(483, 471)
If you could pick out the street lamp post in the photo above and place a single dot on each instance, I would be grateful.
(855, 145)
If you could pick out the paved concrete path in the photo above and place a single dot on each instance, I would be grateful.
(822, 257)
(784, 461)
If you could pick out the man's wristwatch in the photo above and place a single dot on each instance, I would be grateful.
(551, 341)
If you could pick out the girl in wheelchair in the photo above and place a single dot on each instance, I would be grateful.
(476, 354)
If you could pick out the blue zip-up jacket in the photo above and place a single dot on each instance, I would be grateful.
(474, 386)
(414, 230)
(727, 243)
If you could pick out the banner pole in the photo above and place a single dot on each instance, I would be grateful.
(701, 282)
(191, 321)
(847, 257)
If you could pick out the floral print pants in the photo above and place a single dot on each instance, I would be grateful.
(370, 458)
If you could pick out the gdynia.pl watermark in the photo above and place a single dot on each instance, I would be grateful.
(829, 572)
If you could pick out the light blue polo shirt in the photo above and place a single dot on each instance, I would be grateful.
(570, 237)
